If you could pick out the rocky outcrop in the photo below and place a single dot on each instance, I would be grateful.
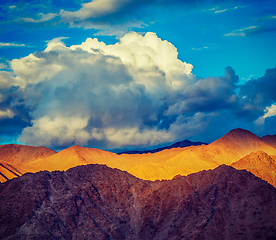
(97, 202)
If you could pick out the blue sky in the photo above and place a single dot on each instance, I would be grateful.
(134, 74)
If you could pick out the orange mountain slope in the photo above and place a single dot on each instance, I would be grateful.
(77, 155)
(226, 150)
(160, 165)
(260, 164)
(13, 156)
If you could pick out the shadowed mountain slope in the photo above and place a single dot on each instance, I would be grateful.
(270, 139)
(97, 202)
(260, 164)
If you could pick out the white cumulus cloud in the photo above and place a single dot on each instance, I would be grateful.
(135, 92)
(115, 92)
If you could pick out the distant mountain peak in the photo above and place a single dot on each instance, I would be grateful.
(240, 132)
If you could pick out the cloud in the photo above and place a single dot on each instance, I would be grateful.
(107, 17)
(6, 114)
(198, 49)
(95, 9)
(250, 31)
(2, 44)
(207, 95)
(261, 91)
(111, 90)
(112, 17)
(266, 18)
(269, 112)
(226, 9)
(41, 18)
(220, 11)
(133, 93)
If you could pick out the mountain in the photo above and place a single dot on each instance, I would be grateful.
(270, 139)
(97, 202)
(182, 144)
(76, 155)
(260, 164)
(12, 156)
(165, 164)
(230, 148)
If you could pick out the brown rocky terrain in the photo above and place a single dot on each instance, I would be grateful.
(97, 202)
(12, 156)
(260, 164)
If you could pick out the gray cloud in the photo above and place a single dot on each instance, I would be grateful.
(260, 91)
(207, 95)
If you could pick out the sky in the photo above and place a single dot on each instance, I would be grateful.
(129, 74)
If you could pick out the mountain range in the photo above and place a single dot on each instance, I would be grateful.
(199, 192)
(165, 164)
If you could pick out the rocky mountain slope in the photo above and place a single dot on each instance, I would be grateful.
(97, 202)
(260, 164)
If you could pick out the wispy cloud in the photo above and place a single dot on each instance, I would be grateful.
(266, 18)
(108, 17)
(220, 11)
(114, 16)
(241, 32)
(198, 49)
(250, 31)
(2, 44)
(41, 18)
(226, 9)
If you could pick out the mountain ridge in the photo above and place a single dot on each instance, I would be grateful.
(164, 164)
